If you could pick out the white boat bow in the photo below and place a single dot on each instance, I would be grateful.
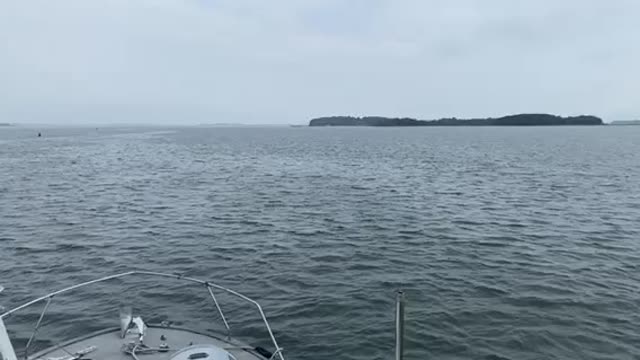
(136, 340)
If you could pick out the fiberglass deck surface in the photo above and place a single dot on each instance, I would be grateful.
(109, 345)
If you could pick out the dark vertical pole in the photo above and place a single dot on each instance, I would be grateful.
(399, 325)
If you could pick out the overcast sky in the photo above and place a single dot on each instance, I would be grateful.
(259, 61)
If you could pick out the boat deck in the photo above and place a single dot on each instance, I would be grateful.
(110, 346)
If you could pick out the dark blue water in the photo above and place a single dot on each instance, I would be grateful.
(511, 243)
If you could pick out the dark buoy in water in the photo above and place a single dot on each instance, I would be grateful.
(39, 135)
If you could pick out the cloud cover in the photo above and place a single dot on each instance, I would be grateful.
(197, 61)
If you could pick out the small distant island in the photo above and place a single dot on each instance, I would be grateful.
(5, 124)
(510, 120)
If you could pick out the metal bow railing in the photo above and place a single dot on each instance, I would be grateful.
(209, 285)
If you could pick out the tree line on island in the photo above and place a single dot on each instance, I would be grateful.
(510, 120)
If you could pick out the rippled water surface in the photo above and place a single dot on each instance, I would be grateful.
(511, 243)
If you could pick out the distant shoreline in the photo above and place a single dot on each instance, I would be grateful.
(625, 122)
(510, 120)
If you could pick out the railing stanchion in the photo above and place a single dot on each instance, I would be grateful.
(35, 330)
(215, 301)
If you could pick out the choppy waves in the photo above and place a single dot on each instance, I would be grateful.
(511, 243)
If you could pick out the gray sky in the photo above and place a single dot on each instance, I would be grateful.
(258, 61)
